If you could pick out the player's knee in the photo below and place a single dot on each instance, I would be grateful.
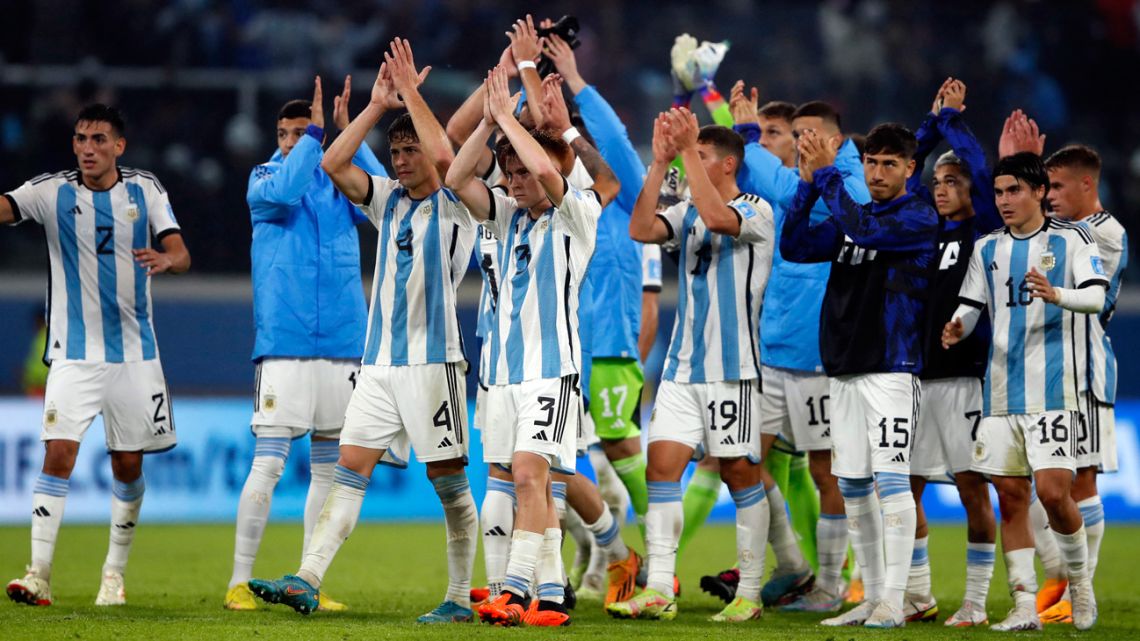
(126, 466)
(1013, 496)
(59, 458)
(1053, 496)
(856, 488)
(269, 456)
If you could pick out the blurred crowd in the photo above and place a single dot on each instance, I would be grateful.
(1071, 66)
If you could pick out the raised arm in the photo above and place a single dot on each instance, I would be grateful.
(525, 49)
(802, 241)
(602, 122)
(406, 79)
(716, 214)
(352, 181)
(270, 195)
(462, 176)
(606, 184)
(644, 225)
(530, 153)
(762, 173)
(953, 127)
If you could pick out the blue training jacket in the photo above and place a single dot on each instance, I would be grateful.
(610, 326)
(789, 319)
(308, 300)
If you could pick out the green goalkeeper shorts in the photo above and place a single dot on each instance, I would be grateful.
(615, 398)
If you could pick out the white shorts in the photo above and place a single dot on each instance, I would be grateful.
(539, 416)
(131, 396)
(948, 420)
(1096, 438)
(395, 407)
(480, 407)
(715, 419)
(794, 407)
(1021, 444)
(295, 396)
(872, 427)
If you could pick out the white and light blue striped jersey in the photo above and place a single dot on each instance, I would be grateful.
(487, 256)
(99, 306)
(423, 252)
(1112, 243)
(651, 268)
(1039, 350)
(721, 288)
(543, 262)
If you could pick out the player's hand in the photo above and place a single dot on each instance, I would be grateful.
(554, 104)
(498, 97)
(340, 105)
(809, 158)
(954, 94)
(525, 43)
(664, 151)
(952, 333)
(402, 67)
(507, 62)
(154, 261)
(384, 93)
(819, 152)
(743, 108)
(1018, 134)
(936, 106)
(562, 55)
(683, 128)
(316, 111)
(1040, 287)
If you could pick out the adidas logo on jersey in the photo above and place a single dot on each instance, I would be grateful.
(41, 511)
(75, 211)
(541, 436)
(727, 440)
(446, 442)
(495, 531)
(1060, 451)
(899, 458)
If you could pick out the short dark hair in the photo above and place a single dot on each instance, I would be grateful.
(1080, 157)
(295, 109)
(1026, 166)
(726, 142)
(891, 138)
(402, 129)
(778, 109)
(860, 142)
(818, 109)
(551, 143)
(99, 112)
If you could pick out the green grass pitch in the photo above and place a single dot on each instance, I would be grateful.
(391, 573)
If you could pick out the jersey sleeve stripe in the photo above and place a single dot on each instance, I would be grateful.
(668, 226)
(971, 302)
(1094, 281)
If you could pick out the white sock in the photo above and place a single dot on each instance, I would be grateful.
(663, 524)
(865, 528)
(609, 484)
(126, 501)
(1043, 540)
(831, 545)
(899, 521)
(269, 456)
(753, 516)
(1092, 511)
(498, 517)
(1075, 551)
(979, 571)
(1022, 578)
(558, 492)
(789, 558)
(583, 542)
(608, 537)
(525, 547)
(323, 456)
(548, 573)
(462, 521)
(48, 499)
(918, 581)
(337, 520)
